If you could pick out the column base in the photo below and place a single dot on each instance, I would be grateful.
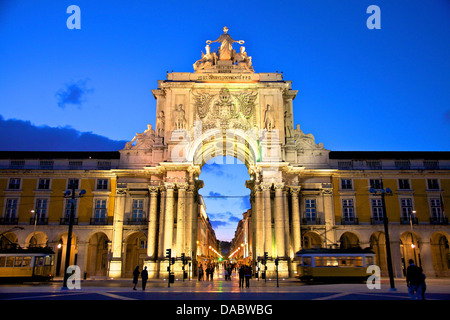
(115, 268)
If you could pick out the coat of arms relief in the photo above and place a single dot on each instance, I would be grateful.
(225, 110)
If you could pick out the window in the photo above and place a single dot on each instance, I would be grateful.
(347, 209)
(44, 184)
(345, 165)
(68, 209)
(310, 209)
(138, 209)
(102, 184)
(403, 184)
(375, 183)
(431, 164)
(402, 164)
(14, 184)
(100, 209)
(374, 164)
(346, 184)
(11, 208)
(435, 206)
(433, 184)
(377, 210)
(105, 165)
(72, 184)
(75, 165)
(406, 207)
(17, 164)
(41, 208)
(46, 164)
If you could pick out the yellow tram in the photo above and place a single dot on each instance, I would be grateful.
(334, 264)
(26, 264)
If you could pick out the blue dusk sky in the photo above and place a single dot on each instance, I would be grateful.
(359, 89)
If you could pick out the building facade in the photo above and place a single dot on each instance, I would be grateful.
(143, 200)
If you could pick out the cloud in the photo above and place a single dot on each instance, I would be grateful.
(19, 135)
(245, 203)
(217, 223)
(73, 93)
(213, 195)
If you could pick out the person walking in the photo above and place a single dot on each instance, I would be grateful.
(144, 276)
(414, 280)
(247, 274)
(135, 276)
(241, 276)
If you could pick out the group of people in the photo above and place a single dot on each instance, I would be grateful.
(245, 273)
(144, 277)
(209, 271)
(415, 280)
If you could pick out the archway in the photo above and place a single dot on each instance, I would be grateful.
(97, 258)
(37, 239)
(61, 249)
(410, 249)
(441, 254)
(135, 252)
(8, 240)
(349, 240)
(378, 245)
(311, 240)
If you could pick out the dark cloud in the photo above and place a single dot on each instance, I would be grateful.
(234, 219)
(73, 93)
(217, 223)
(18, 135)
(214, 168)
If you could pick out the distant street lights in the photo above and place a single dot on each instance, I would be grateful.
(383, 192)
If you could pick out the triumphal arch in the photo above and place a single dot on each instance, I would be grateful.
(224, 107)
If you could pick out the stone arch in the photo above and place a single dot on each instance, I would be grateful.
(410, 244)
(135, 252)
(8, 240)
(378, 246)
(312, 239)
(440, 252)
(349, 240)
(37, 239)
(215, 142)
(97, 255)
(60, 252)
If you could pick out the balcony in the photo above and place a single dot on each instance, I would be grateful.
(405, 220)
(136, 221)
(9, 220)
(311, 220)
(102, 221)
(39, 221)
(438, 220)
(349, 220)
(377, 220)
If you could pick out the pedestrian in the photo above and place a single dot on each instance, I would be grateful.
(226, 274)
(247, 275)
(200, 273)
(135, 277)
(144, 276)
(424, 286)
(241, 277)
(211, 272)
(414, 280)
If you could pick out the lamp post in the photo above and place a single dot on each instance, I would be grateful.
(413, 246)
(34, 230)
(383, 192)
(70, 194)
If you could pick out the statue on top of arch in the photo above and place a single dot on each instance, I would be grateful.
(225, 53)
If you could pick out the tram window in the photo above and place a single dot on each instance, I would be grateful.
(48, 261)
(358, 261)
(9, 262)
(332, 262)
(319, 261)
(18, 262)
(39, 261)
(2, 261)
(306, 261)
(26, 261)
(369, 261)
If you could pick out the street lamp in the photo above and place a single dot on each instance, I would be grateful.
(71, 195)
(413, 246)
(383, 192)
(34, 230)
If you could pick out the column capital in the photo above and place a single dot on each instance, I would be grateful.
(169, 185)
(153, 189)
(294, 190)
(278, 185)
(266, 185)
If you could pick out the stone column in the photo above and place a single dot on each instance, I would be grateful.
(115, 267)
(152, 219)
(259, 221)
(266, 186)
(181, 220)
(279, 221)
(426, 259)
(297, 243)
(168, 218)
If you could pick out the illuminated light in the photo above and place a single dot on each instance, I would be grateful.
(413, 245)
